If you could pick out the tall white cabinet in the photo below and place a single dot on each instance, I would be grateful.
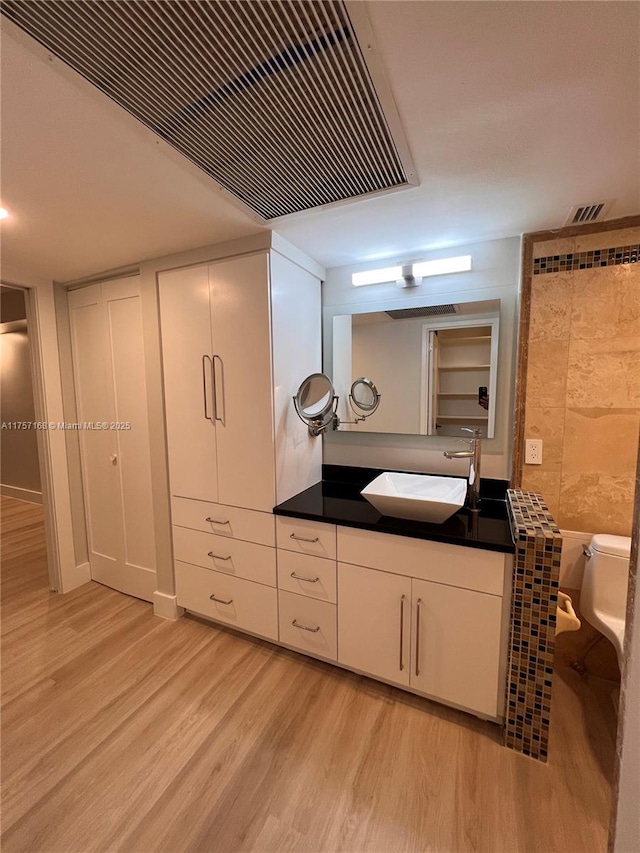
(238, 336)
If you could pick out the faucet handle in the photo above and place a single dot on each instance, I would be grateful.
(476, 432)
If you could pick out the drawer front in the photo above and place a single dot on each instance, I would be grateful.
(306, 537)
(315, 628)
(455, 565)
(240, 603)
(231, 556)
(304, 575)
(230, 521)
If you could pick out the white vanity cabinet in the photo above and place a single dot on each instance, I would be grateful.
(425, 615)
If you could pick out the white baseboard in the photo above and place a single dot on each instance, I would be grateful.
(166, 606)
(21, 494)
(76, 576)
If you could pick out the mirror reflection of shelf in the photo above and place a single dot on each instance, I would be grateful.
(462, 366)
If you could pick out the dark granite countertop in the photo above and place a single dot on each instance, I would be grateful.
(337, 500)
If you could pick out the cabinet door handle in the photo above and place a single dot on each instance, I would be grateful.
(216, 521)
(204, 386)
(402, 599)
(303, 539)
(218, 557)
(301, 578)
(215, 387)
(418, 606)
(296, 624)
(221, 600)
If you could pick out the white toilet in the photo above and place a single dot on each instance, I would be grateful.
(603, 598)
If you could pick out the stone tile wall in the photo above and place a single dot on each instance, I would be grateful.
(583, 379)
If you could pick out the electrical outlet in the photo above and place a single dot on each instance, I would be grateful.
(533, 451)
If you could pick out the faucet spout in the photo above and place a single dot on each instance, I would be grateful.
(473, 454)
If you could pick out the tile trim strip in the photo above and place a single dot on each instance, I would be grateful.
(587, 260)
(532, 625)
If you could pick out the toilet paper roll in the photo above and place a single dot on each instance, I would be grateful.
(566, 619)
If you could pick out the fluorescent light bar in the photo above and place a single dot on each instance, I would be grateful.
(358, 279)
(443, 266)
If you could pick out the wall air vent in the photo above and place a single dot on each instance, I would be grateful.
(427, 311)
(583, 213)
(273, 100)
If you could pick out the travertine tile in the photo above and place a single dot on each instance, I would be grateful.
(605, 302)
(597, 502)
(548, 248)
(605, 240)
(603, 373)
(547, 373)
(545, 483)
(600, 441)
(547, 424)
(551, 306)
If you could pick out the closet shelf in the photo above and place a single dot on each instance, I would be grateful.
(462, 418)
(464, 366)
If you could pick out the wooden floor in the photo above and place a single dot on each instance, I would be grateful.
(124, 732)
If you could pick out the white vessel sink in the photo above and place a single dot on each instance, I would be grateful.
(421, 497)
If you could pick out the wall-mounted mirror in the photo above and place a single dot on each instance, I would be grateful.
(434, 367)
(315, 403)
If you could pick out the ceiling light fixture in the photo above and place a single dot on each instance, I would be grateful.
(4, 214)
(410, 275)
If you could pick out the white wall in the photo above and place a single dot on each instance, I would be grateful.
(495, 274)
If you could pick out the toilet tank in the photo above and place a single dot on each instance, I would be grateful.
(606, 576)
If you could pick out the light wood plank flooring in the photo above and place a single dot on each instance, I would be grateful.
(124, 732)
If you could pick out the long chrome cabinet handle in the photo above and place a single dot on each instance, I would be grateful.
(204, 386)
(216, 521)
(215, 385)
(221, 600)
(217, 556)
(418, 606)
(303, 538)
(296, 624)
(301, 578)
(402, 600)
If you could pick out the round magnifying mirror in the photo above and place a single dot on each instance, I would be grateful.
(364, 395)
(314, 399)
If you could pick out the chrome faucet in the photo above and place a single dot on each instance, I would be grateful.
(473, 454)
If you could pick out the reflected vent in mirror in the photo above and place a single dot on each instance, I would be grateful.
(427, 311)
(273, 100)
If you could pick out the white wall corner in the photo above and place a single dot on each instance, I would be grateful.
(75, 576)
(166, 606)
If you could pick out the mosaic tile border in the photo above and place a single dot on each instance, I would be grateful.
(587, 260)
(532, 625)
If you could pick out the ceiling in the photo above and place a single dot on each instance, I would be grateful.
(513, 112)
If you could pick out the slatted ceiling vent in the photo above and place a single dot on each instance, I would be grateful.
(271, 99)
(426, 311)
(583, 213)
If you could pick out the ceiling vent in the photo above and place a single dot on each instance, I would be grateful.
(273, 100)
(426, 311)
(583, 213)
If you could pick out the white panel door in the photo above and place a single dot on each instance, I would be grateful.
(135, 573)
(455, 648)
(374, 622)
(98, 448)
(188, 387)
(243, 410)
(108, 359)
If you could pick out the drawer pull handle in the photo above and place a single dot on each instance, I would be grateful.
(296, 624)
(418, 607)
(301, 578)
(303, 539)
(402, 600)
(218, 557)
(221, 600)
(215, 521)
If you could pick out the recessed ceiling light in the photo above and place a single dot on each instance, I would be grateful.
(4, 214)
